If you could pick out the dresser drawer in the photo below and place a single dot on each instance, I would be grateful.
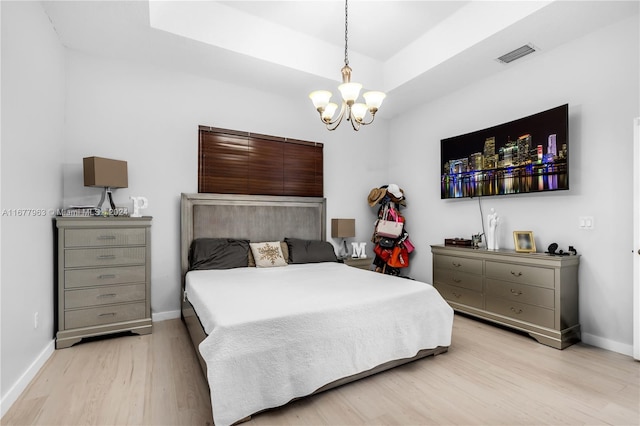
(460, 295)
(535, 275)
(74, 278)
(97, 237)
(531, 295)
(462, 264)
(521, 311)
(104, 256)
(104, 295)
(458, 279)
(104, 315)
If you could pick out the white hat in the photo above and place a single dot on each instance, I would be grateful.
(394, 190)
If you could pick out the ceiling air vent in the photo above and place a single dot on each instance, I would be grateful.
(516, 54)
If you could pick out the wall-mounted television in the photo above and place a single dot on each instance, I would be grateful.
(526, 155)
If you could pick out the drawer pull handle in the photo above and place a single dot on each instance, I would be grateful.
(108, 314)
(107, 256)
(457, 265)
(516, 274)
(107, 237)
(517, 311)
(106, 276)
(516, 292)
(457, 280)
(103, 296)
(456, 295)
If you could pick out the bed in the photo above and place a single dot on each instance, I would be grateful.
(266, 334)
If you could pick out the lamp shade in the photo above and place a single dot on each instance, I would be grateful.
(343, 228)
(374, 99)
(359, 110)
(105, 172)
(350, 91)
(320, 98)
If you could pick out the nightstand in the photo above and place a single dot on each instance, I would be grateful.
(103, 277)
(356, 262)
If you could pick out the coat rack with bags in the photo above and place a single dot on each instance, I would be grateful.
(390, 238)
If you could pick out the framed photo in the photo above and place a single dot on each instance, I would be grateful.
(524, 241)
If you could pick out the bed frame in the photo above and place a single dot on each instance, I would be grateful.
(257, 218)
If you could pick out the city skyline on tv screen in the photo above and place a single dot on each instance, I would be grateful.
(522, 156)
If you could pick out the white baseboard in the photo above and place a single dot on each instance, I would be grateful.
(14, 392)
(163, 316)
(607, 344)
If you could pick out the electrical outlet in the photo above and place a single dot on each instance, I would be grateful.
(586, 222)
(35, 320)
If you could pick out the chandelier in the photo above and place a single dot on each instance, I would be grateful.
(354, 112)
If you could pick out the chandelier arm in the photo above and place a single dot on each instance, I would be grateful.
(373, 116)
(354, 123)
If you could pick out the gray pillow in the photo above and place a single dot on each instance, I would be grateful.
(310, 251)
(218, 253)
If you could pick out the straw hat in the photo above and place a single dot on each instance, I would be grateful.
(376, 195)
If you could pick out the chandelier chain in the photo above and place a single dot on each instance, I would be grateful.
(346, 32)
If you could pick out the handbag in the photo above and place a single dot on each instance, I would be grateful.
(387, 228)
(399, 258)
(408, 245)
(382, 253)
(386, 242)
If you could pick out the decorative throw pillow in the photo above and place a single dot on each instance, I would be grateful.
(268, 254)
(285, 253)
(310, 251)
(218, 253)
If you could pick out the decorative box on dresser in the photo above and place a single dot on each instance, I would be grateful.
(103, 277)
(532, 292)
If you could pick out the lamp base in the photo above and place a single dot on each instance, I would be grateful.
(343, 253)
(106, 193)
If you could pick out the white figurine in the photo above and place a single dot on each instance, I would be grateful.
(492, 234)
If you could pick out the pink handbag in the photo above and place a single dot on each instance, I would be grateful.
(408, 245)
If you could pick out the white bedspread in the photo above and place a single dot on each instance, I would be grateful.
(275, 334)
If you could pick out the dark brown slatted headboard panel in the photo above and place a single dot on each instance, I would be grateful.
(254, 217)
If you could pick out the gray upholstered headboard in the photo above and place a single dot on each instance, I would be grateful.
(253, 217)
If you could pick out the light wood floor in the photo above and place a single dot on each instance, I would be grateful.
(490, 376)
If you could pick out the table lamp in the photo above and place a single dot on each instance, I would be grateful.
(105, 173)
(343, 228)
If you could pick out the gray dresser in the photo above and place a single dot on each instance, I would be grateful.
(103, 277)
(533, 292)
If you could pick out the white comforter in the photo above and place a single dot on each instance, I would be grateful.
(275, 334)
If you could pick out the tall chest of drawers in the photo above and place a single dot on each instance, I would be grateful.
(533, 292)
(103, 283)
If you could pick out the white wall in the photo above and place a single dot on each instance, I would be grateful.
(597, 76)
(149, 118)
(33, 90)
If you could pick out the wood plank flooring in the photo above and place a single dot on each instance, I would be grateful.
(490, 376)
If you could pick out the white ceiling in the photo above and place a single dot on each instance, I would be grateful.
(413, 50)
